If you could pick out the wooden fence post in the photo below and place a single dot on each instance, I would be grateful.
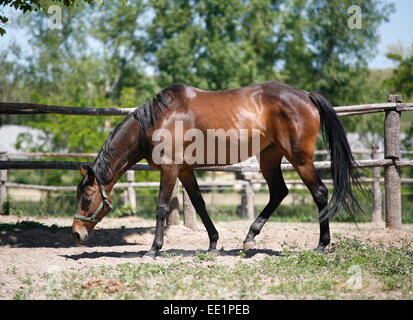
(392, 172)
(249, 194)
(247, 209)
(3, 180)
(189, 211)
(377, 206)
(173, 216)
(212, 207)
(130, 178)
(125, 197)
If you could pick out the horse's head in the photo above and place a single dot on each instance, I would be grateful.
(93, 205)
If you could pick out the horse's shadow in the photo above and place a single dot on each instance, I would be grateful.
(61, 237)
(166, 254)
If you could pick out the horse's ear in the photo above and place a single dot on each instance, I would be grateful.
(82, 171)
(90, 173)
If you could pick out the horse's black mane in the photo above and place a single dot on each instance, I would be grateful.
(146, 115)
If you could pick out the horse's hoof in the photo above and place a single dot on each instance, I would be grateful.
(248, 245)
(148, 257)
(214, 252)
(319, 250)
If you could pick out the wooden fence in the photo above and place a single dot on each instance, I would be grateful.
(391, 161)
(246, 185)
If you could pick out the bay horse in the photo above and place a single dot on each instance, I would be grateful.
(288, 120)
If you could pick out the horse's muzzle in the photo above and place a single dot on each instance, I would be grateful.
(79, 239)
(79, 234)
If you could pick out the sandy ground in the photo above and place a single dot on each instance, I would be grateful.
(31, 253)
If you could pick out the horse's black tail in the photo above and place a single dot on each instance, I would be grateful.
(344, 170)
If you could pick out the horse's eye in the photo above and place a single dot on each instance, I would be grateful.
(88, 200)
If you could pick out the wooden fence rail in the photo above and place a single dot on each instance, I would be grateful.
(73, 165)
(20, 155)
(391, 161)
(214, 183)
(32, 108)
(248, 195)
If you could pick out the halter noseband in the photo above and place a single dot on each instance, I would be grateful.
(93, 218)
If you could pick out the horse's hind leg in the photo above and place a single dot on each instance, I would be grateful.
(190, 184)
(270, 164)
(319, 191)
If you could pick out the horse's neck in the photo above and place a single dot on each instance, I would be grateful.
(119, 155)
(122, 165)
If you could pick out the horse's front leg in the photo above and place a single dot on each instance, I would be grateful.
(169, 174)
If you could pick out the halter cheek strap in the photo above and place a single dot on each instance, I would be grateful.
(93, 217)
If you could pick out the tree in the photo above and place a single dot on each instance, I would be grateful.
(305, 43)
(321, 51)
(402, 77)
(214, 44)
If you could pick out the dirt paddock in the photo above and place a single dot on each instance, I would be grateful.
(33, 252)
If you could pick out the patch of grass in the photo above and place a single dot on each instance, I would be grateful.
(168, 255)
(27, 280)
(204, 257)
(391, 265)
(323, 287)
(20, 295)
(241, 254)
(384, 271)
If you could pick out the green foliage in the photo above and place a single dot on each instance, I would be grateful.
(6, 207)
(321, 53)
(212, 44)
(402, 78)
(204, 257)
(226, 44)
(123, 211)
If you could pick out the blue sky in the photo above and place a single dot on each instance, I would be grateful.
(399, 28)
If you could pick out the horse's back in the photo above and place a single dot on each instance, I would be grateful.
(254, 105)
